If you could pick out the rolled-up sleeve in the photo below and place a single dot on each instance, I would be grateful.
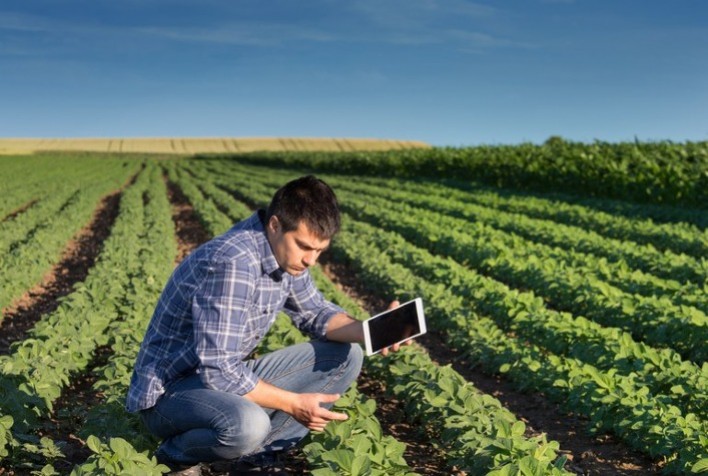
(220, 312)
(308, 309)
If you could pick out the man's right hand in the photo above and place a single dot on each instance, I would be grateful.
(307, 410)
(304, 407)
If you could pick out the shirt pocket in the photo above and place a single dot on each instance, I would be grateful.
(256, 324)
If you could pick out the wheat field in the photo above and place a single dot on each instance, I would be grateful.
(190, 146)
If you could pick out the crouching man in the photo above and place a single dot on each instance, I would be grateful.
(194, 384)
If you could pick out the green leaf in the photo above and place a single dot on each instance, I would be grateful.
(121, 447)
(360, 465)
(503, 471)
(324, 472)
(518, 428)
(701, 466)
(94, 444)
(360, 444)
(341, 457)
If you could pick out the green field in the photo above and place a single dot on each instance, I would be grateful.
(577, 272)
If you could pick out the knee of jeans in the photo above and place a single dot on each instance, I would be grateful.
(245, 434)
(355, 360)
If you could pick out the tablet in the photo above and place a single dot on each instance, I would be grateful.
(394, 326)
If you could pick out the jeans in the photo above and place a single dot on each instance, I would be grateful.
(198, 424)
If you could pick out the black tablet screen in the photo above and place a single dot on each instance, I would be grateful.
(395, 326)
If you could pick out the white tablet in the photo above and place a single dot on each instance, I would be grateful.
(394, 326)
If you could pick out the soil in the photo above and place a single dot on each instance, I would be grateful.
(19, 210)
(77, 259)
(189, 229)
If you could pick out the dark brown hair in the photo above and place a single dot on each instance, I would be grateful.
(306, 199)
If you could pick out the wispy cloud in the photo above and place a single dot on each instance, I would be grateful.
(427, 22)
(456, 24)
(249, 34)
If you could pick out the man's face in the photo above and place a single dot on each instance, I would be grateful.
(295, 250)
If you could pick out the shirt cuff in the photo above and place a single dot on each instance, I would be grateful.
(326, 314)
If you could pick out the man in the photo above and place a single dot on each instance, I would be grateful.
(193, 383)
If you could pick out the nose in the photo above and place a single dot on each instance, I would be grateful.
(310, 257)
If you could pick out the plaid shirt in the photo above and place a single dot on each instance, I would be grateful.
(216, 307)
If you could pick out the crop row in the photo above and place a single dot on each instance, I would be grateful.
(677, 236)
(37, 177)
(611, 401)
(44, 245)
(681, 383)
(623, 264)
(148, 263)
(484, 437)
(54, 197)
(568, 243)
(63, 342)
(510, 259)
(473, 430)
(149, 257)
(573, 289)
(569, 246)
(21, 229)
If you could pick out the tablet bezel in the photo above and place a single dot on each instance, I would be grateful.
(418, 302)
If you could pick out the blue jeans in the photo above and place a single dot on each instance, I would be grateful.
(198, 424)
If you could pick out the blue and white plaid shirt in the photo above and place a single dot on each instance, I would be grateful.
(216, 307)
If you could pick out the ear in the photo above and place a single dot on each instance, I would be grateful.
(274, 224)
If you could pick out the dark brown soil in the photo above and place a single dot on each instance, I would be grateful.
(587, 454)
(19, 210)
(78, 258)
(190, 231)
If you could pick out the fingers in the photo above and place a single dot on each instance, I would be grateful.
(395, 347)
(329, 397)
(386, 350)
(327, 415)
(322, 416)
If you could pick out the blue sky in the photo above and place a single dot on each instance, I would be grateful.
(449, 72)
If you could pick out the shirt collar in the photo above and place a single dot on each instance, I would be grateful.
(268, 262)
